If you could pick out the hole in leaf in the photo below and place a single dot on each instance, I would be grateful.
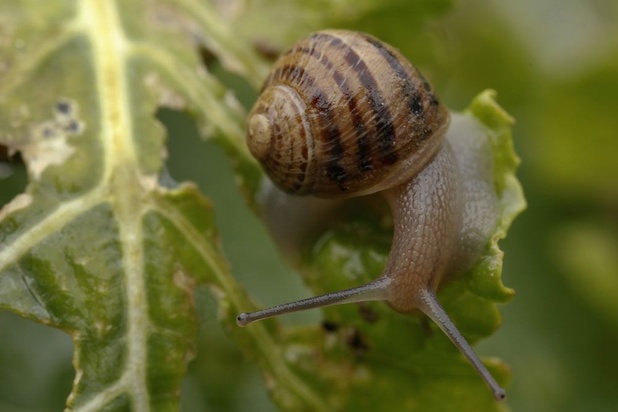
(242, 90)
(368, 313)
(329, 327)
(207, 57)
(4, 153)
(267, 50)
(13, 175)
(357, 343)
(36, 371)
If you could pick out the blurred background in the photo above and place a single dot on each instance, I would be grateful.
(554, 64)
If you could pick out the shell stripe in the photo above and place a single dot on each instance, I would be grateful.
(294, 181)
(298, 76)
(362, 141)
(414, 94)
(385, 131)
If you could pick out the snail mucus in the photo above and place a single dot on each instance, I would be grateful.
(343, 114)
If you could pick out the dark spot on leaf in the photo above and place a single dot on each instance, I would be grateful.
(7, 158)
(329, 326)
(64, 107)
(48, 132)
(367, 313)
(4, 153)
(73, 127)
(207, 57)
(357, 342)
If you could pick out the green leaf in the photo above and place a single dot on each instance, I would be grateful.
(96, 246)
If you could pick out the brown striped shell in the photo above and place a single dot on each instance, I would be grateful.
(344, 114)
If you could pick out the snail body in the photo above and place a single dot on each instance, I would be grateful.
(343, 114)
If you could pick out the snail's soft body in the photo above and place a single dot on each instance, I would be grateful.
(343, 114)
(294, 220)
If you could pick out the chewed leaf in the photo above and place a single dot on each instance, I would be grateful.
(96, 246)
(366, 356)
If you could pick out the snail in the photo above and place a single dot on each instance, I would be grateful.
(343, 114)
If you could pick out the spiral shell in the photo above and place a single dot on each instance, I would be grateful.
(344, 114)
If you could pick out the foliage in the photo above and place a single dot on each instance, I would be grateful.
(105, 246)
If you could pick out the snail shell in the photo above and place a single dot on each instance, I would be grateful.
(344, 114)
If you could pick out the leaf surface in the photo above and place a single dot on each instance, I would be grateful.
(96, 246)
